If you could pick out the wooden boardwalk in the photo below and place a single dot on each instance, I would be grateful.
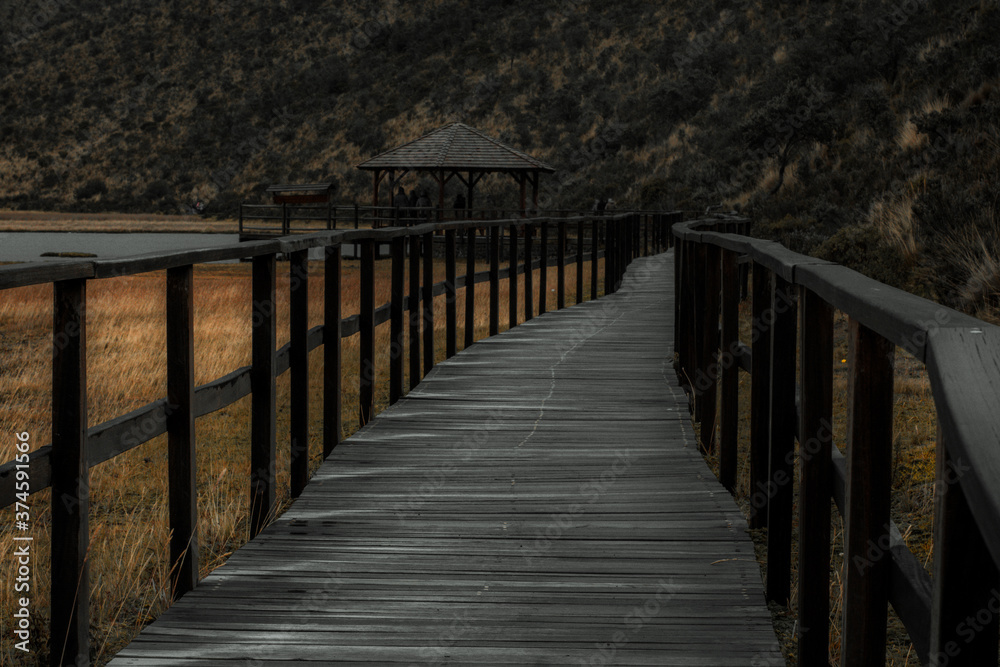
(536, 500)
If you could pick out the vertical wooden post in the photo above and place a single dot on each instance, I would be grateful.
(470, 286)
(698, 338)
(512, 279)
(561, 271)
(963, 624)
(494, 280)
(366, 331)
(708, 370)
(299, 366)
(729, 409)
(815, 441)
(609, 256)
(70, 598)
(396, 334)
(679, 300)
(428, 299)
(262, 383)
(760, 396)
(595, 229)
(579, 261)
(782, 451)
(332, 359)
(183, 497)
(451, 308)
(414, 310)
(645, 231)
(543, 269)
(869, 476)
(529, 272)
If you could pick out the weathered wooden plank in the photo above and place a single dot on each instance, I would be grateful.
(183, 496)
(263, 401)
(70, 596)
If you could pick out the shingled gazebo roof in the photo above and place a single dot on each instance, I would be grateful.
(455, 146)
(456, 150)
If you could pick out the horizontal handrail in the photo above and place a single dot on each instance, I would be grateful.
(962, 357)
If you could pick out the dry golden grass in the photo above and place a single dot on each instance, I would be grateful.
(126, 369)
(914, 440)
(45, 221)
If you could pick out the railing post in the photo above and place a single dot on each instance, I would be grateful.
(696, 323)
(707, 384)
(869, 478)
(729, 404)
(782, 450)
(414, 303)
(366, 331)
(299, 365)
(512, 279)
(561, 271)
(529, 272)
(594, 235)
(69, 641)
(262, 383)
(760, 396)
(470, 287)
(396, 334)
(451, 307)
(815, 441)
(494, 280)
(679, 296)
(964, 628)
(332, 359)
(428, 299)
(183, 497)
(543, 270)
(645, 232)
(579, 261)
(610, 255)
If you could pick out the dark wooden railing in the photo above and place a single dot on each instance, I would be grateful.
(951, 618)
(64, 465)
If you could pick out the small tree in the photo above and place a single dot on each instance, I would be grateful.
(799, 115)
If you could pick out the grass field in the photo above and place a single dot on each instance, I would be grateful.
(126, 366)
(46, 221)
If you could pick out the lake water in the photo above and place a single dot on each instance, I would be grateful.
(29, 246)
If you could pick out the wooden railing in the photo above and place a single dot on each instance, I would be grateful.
(951, 618)
(64, 465)
(283, 219)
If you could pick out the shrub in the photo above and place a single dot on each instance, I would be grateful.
(863, 248)
(90, 189)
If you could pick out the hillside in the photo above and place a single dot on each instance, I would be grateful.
(865, 132)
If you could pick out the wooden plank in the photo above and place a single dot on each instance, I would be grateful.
(964, 626)
(70, 582)
(451, 307)
(183, 495)
(263, 402)
(529, 272)
(494, 281)
(869, 476)
(543, 273)
(760, 396)
(561, 267)
(781, 456)
(470, 287)
(706, 386)
(594, 236)
(298, 285)
(332, 353)
(512, 278)
(414, 306)
(579, 261)
(729, 381)
(366, 318)
(815, 438)
(428, 302)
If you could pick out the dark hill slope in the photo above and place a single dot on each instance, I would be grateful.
(864, 131)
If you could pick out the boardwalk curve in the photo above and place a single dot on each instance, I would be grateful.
(537, 499)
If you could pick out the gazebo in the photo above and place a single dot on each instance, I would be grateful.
(456, 150)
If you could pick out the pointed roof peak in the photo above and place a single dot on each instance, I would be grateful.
(455, 146)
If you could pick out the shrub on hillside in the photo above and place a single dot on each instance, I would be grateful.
(864, 249)
(91, 188)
